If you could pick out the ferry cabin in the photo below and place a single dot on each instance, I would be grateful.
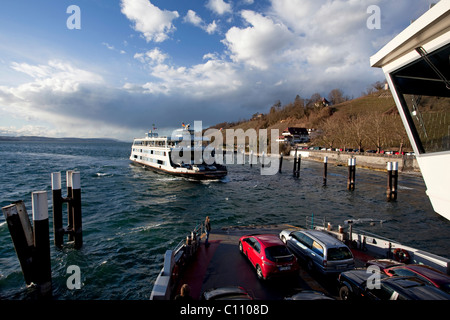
(417, 68)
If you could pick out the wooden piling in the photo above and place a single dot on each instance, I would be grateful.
(76, 208)
(325, 169)
(294, 173)
(392, 170)
(351, 174)
(395, 180)
(57, 201)
(69, 228)
(299, 161)
(281, 162)
(22, 237)
(389, 181)
(41, 256)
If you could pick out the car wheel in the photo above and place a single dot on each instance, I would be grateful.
(241, 248)
(259, 272)
(344, 293)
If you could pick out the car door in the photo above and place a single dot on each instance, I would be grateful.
(293, 244)
(251, 250)
(256, 257)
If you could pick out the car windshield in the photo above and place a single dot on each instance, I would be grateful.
(278, 254)
(341, 253)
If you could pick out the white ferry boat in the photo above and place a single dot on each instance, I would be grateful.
(181, 154)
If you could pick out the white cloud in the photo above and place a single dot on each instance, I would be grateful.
(260, 44)
(155, 56)
(211, 28)
(55, 76)
(212, 78)
(219, 6)
(193, 18)
(155, 24)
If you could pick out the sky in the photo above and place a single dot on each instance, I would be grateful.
(116, 68)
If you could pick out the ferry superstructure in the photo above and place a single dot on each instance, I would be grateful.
(181, 154)
(416, 64)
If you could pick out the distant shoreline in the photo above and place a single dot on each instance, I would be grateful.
(48, 139)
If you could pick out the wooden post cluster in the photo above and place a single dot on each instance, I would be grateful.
(297, 163)
(391, 192)
(32, 244)
(73, 200)
(351, 174)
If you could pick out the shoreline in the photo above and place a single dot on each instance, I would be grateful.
(406, 164)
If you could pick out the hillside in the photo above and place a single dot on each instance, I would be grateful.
(368, 122)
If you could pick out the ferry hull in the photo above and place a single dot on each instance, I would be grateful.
(201, 175)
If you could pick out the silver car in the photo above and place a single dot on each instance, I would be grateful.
(319, 250)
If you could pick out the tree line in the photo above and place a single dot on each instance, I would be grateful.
(358, 130)
(363, 131)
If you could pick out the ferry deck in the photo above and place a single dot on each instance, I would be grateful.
(222, 265)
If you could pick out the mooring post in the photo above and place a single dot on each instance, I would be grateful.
(395, 180)
(325, 163)
(58, 230)
(41, 257)
(250, 160)
(76, 209)
(69, 228)
(281, 162)
(294, 173)
(351, 174)
(389, 182)
(299, 161)
(262, 159)
(22, 236)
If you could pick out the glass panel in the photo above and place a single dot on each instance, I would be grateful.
(431, 118)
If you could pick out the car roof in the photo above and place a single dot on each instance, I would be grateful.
(426, 271)
(324, 237)
(414, 288)
(269, 240)
(217, 293)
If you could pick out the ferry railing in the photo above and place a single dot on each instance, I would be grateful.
(376, 245)
(175, 262)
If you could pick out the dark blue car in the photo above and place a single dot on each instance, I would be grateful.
(360, 284)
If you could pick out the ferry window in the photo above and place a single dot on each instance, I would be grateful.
(423, 89)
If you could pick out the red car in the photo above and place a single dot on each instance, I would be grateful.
(268, 254)
(429, 274)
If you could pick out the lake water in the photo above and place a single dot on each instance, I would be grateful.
(132, 215)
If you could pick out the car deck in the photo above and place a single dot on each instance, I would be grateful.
(221, 264)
